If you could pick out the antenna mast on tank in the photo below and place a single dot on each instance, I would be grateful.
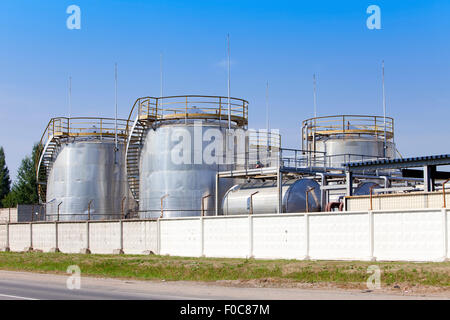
(115, 91)
(229, 84)
(384, 114)
(315, 96)
(70, 97)
(161, 74)
(267, 114)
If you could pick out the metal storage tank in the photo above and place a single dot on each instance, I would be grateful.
(169, 171)
(335, 140)
(81, 173)
(262, 197)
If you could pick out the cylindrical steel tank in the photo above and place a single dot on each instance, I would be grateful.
(175, 185)
(239, 199)
(81, 169)
(185, 143)
(87, 176)
(334, 140)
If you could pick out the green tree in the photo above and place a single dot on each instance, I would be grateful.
(24, 190)
(5, 181)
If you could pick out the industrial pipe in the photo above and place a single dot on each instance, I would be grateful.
(203, 204)
(251, 202)
(443, 191)
(162, 200)
(307, 197)
(57, 217)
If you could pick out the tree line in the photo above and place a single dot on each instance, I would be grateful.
(24, 189)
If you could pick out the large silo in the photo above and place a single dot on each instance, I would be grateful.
(334, 140)
(176, 147)
(81, 169)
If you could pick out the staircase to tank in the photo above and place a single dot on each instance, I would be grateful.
(46, 159)
(134, 146)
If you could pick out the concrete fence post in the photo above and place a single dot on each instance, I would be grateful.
(7, 249)
(120, 250)
(158, 236)
(371, 236)
(87, 249)
(202, 236)
(30, 248)
(250, 236)
(445, 234)
(306, 256)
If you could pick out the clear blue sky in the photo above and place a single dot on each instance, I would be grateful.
(283, 42)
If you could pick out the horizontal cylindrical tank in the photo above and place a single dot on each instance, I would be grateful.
(178, 168)
(87, 177)
(262, 197)
(363, 188)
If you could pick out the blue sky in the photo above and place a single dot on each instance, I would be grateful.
(283, 42)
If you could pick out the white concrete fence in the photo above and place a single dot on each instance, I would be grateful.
(400, 235)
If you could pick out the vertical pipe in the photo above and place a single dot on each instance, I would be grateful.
(443, 192)
(280, 190)
(349, 182)
(56, 237)
(217, 195)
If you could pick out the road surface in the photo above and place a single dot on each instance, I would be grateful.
(36, 286)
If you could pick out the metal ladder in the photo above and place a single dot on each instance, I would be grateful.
(134, 146)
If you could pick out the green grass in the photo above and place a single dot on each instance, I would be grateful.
(211, 269)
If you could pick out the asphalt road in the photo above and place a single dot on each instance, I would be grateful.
(35, 286)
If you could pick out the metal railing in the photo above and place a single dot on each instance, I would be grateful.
(342, 125)
(190, 107)
(84, 126)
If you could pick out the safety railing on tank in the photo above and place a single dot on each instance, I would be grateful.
(190, 107)
(264, 139)
(83, 127)
(341, 125)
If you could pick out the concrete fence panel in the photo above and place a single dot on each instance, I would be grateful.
(340, 236)
(19, 237)
(416, 236)
(72, 236)
(140, 237)
(180, 237)
(44, 236)
(104, 237)
(281, 236)
(226, 236)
